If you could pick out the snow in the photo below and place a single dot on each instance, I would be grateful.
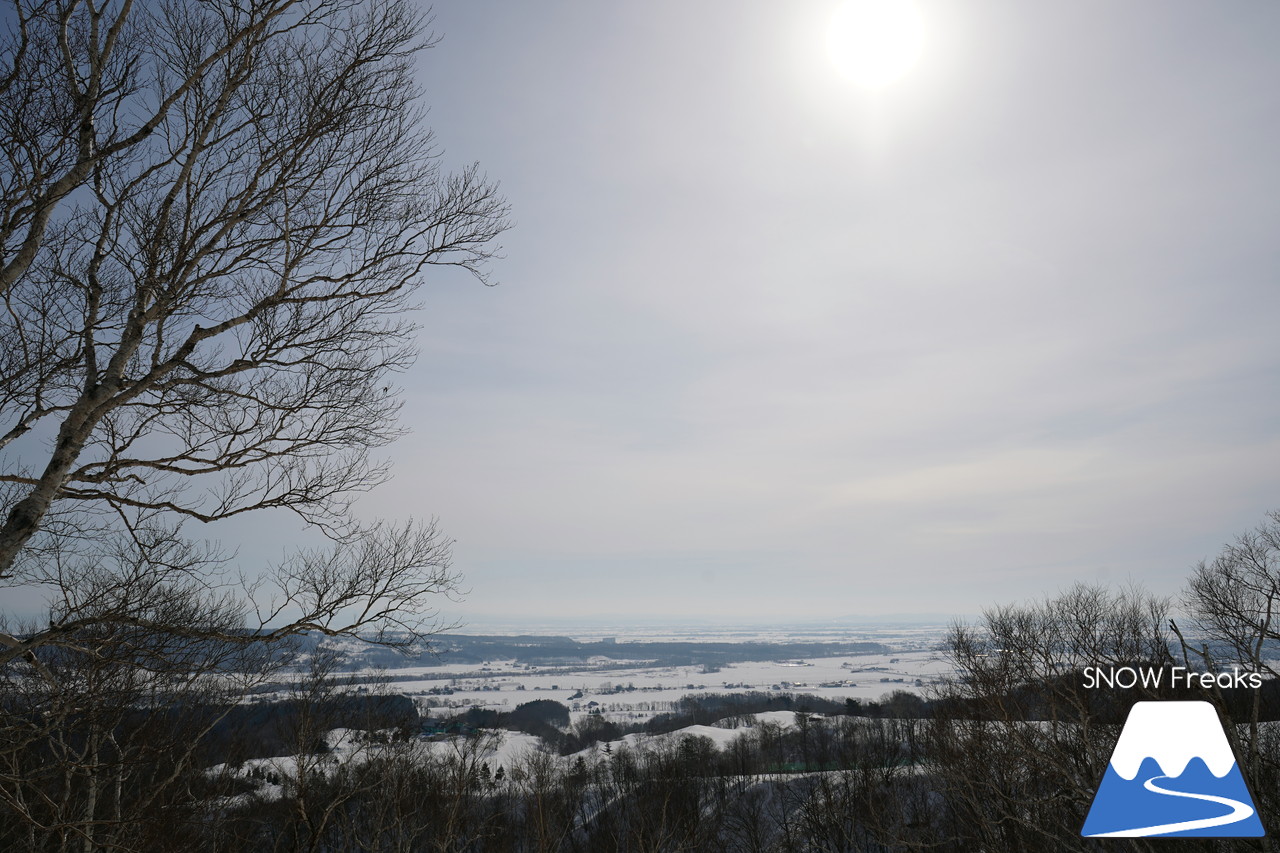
(722, 736)
(495, 747)
(632, 693)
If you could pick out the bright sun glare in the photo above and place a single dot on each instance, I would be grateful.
(875, 42)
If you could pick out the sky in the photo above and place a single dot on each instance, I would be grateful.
(768, 344)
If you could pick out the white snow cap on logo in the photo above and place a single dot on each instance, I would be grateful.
(1172, 733)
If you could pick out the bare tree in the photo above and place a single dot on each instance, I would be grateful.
(1017, 743)
(1236, 597)
(213, 216)
(1234, 601)
(100, 732)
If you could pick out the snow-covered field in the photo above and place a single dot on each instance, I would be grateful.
(632, 693)
(492, 748)
(621, 691)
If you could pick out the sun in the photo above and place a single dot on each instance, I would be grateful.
(874, 43)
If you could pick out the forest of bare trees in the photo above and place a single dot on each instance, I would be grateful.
(1004, 756)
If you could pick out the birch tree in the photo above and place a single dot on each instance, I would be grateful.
(215, 217)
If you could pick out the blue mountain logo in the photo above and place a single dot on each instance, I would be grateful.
(1173, 775)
